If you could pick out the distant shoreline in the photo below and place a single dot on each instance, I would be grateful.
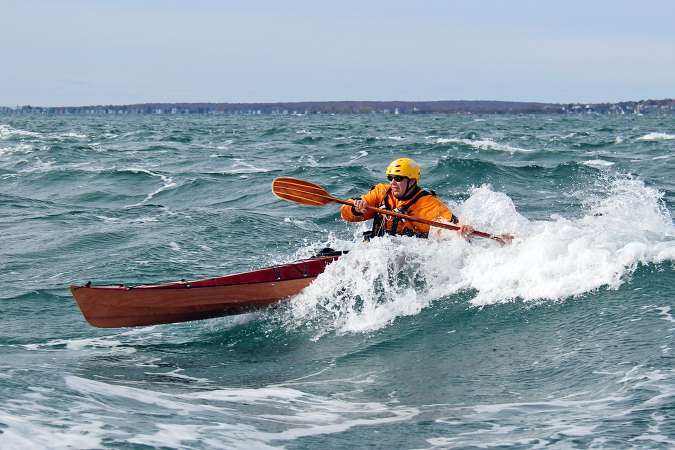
(361, 107)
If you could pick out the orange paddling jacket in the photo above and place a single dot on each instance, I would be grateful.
(420, 203)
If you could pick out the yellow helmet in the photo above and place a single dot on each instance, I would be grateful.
(405, 167)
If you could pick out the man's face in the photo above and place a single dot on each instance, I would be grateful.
(399, 185)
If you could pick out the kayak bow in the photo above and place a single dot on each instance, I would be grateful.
(182, 301)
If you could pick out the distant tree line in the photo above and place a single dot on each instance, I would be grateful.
(362, 107)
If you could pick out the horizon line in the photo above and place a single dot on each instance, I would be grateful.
(91, 105)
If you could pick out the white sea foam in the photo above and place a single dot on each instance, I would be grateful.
(70, 134)
(176, 374)
(110, 344)
(21, 149)
(242, 167)
(7, 131)
(308, 160)
(115, 343)
(167, 183)
(521, 424)
(37, 165)
(145, 219)
(548, 261)
(657, 137)
(23, 433)
(238, 418)
(658, 384)
(563, 258)
(568, 418)
(391, 138)
(482, 144)
(664, 312)
(598, 163)
(359, 155)
(306, 225)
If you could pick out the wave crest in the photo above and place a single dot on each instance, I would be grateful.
(549, 260)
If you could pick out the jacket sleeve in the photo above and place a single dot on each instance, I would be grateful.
(432, 208)
(443, 212)
(374, 198)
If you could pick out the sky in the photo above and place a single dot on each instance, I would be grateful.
(90, 52)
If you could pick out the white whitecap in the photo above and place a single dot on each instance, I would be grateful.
(359, 155)
(242, 167)
(167, 183)
(236, 418)
(67, 135)
(19, 149)
(306, 225)
(7, 131)
(664, 312)
(111, 344)
(483, 144)
(657, 137)
(391, 138)
(598, 163)
(507, 425)
(308, 160)
(39, 166)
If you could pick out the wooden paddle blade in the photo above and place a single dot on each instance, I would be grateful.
(300, 191)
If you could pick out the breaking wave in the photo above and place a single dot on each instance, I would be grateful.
(549, 260)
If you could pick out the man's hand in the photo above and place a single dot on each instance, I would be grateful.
(360, 206)
(466, 231)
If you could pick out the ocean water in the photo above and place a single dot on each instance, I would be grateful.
(563, 339)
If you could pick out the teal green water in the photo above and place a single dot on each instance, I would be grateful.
(563, 339)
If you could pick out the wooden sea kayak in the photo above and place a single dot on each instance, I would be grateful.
(182, 301)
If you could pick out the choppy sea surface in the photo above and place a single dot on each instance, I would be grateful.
(563, 339)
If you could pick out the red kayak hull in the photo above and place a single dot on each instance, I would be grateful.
(129, 306)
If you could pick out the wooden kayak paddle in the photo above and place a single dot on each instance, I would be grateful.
(308, 193)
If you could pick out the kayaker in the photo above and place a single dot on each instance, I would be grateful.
(403, 195)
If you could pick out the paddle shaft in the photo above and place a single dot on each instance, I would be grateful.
(311, 194)
(432, 223)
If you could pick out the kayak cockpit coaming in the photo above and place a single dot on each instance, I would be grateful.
(305, 268)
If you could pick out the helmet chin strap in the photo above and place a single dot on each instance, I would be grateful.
(409, 189)
(411, 186)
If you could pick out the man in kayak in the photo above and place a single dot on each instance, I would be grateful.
(403, 195)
